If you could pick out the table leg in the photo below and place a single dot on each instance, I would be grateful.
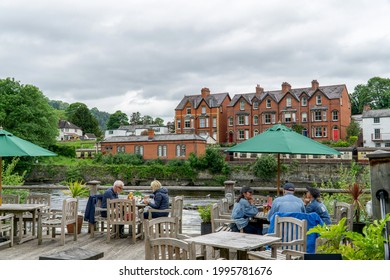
(34, 215)
(20, 228)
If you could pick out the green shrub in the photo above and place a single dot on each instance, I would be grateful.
(266, 167)
(11, 178)
(66, 151)
(205, 213)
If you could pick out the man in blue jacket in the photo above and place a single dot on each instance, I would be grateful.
(112, 193)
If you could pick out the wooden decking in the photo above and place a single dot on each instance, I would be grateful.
(116, 249)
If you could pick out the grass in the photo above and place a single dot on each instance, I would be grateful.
(78, 144)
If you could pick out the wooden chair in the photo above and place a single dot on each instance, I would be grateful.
(161, 227)
(10, 198)
(260, 199)
(293, 243)
(219, 222)
(176, 210)
(124, 212)
(37, 198)
(343, 210)
(7, 230)
(224, 207)
(60, 220)
(168, 248)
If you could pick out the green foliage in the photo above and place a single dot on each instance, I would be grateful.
(213, 161)
(25, 112)
(205, 213)
(21, 193)
(66, 151)
(79, 114)
(77, 189)
(266, 167)
(353, 245)
(101, 117)
(117, 119)
(11, 178)
(119, 158)
(340, 143)
(353, 129)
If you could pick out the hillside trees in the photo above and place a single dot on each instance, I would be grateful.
(117, 119)
(25, 112)
(79, 114)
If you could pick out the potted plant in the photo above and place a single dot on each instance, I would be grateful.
(205, 216)
(356, 192)
(77, 189)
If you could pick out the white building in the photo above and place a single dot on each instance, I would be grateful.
(68, 131)
(137, 130)
(376, 128)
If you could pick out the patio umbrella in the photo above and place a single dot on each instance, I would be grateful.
(11, 146)
(280, 139)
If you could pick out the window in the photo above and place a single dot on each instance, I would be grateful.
(230, 121)
(110, 132)
(187, 123)
(318, 100)
(304, 101)
(335, 115)
(241, 120)
(377, 145)
(178, 123)
(241, 134)
(214, 122)
(268, 103)
(108, 148)
(139, 150)
(387, 145)
(242, 105)
(288, 102)
(287, 117)
(202, 122)
(318, 132)
(377, 120)
(255, 105)
(180, 150)
(203, 109)
(304, 117)
(246, 134)
(255, 132)
(256, 120)
(188, 110)
(267, 118)
(377, 133)
(317, 116)
(120, 149)
(162, 150)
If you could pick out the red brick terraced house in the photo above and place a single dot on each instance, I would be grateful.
(151, 146)
(321, 112)
(203, 114)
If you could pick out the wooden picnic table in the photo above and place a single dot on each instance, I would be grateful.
(228, 241)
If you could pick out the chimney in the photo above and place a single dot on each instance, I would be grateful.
(314, 84)
(205, 92)
(367, 107)
(259, 89)
(286, 87)
(150, 134)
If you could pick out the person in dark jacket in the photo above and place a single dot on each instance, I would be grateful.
(160, 200)
(313, 203)
(112, 193)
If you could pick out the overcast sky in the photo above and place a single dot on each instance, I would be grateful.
(143, 55)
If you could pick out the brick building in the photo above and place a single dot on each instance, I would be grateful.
(151, 146)
(203, 114)
(321, 112)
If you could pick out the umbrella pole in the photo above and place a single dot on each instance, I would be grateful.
(278, 182)
(1, 179)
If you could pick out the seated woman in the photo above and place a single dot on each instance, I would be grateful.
(160, 200)
(313, 203)
(244, 209)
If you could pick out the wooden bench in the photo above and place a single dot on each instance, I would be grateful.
(74, 254)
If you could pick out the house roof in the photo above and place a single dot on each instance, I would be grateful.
(331, 92)
(133, 127)
(376, 113)
(67, 124)
(156, 138)
(213, 100)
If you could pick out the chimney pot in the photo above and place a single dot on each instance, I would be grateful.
(150, 134)
(259, 89)
(314, 84)
(205, 92)
(286, 87)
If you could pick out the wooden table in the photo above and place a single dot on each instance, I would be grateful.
(74, 254)
(18, 210)
(227, 240)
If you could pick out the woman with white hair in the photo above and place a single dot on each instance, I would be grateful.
(160, 200)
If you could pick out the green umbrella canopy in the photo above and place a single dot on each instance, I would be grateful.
(12, 146)
(280, 139)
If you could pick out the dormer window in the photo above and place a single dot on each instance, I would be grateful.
(203, 109)
(288, 102)
(304, 101)
(318, 100)
(255, 105)
(188, 109)
(268, 103)
(242, 105)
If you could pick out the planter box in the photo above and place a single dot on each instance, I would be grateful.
(79, 225)
(205, 228)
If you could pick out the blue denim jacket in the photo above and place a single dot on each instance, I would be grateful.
(242, 211)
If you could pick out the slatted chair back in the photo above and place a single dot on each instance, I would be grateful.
(219, 222)
(167, 248)
(37, 198)
(7, 230)
(224, 207)
(11, 198)
(260, 199)
(160, 227)
(67, 216)
(343, 210)
(177, 210)
(124, 212)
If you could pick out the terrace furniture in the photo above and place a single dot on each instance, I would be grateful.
(74, 254)
(168, 248)
(10, 198)
(38, 198)
(7, 230)
(93, 214)
(60, 220)
(124, 212)
(343, 210)
(292, 233)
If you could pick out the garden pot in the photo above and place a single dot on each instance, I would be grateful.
(358, 227)
(79, 225)
(205, 228)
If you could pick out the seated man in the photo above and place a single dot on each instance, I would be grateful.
(112, 193)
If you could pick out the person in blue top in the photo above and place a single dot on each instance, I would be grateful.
(112, 193)
(244, 209)
(313, 203)
(160, 200)
(288, 202)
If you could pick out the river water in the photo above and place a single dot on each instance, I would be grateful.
(191, 219)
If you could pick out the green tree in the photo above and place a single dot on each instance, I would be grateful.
(159, 121)
(102, 117)
(375, 93)
(135, 118)
(147, 120)
(79, 114)
(117, 119)
(25, 112)
(266, 167)
(353, 129)
(58, 104)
